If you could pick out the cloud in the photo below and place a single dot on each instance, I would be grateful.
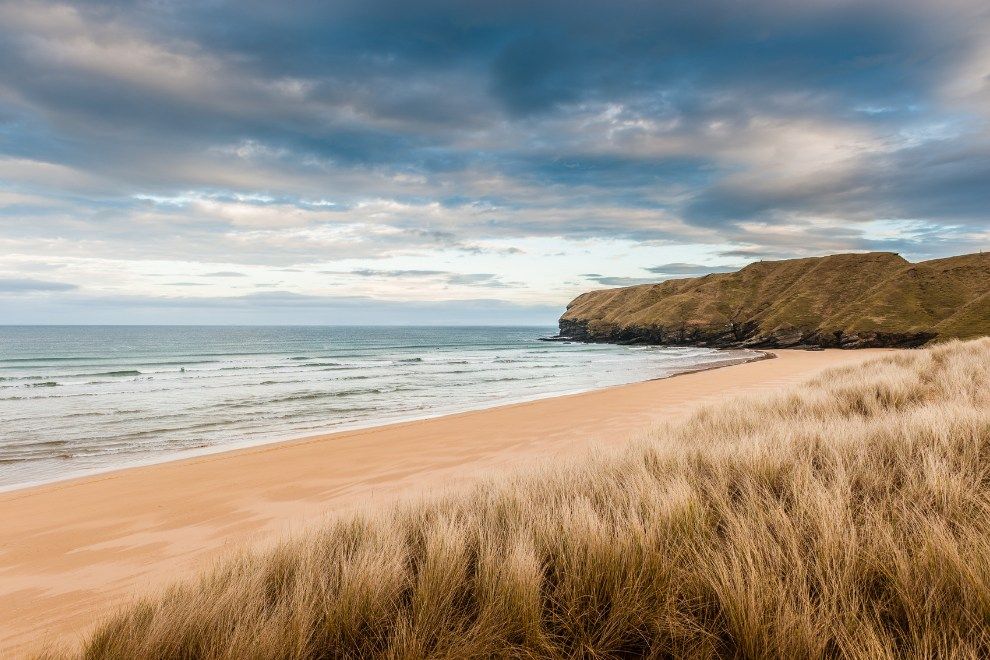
(380, 131)
(18, 285)
(680, 268)
(457, 279)
(278, 308)
(371, 272)
(661, 273)
(620, 281)
(476, 279)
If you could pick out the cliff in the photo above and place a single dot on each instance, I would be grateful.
(845, 300)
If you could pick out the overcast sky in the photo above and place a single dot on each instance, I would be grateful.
(457, 162)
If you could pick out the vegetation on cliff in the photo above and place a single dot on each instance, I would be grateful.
(847, 300)
(848, 517)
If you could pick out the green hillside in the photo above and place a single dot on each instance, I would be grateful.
(847, 300)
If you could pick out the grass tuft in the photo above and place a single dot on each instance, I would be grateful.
(847, 517)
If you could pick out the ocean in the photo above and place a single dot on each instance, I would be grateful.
(82, 399)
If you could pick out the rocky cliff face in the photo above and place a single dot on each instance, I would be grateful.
(744, 337)
(847, 301)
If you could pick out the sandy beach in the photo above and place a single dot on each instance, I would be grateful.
(72, 551)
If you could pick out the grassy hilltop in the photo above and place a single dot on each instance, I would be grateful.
(847, 300)
(848, 517)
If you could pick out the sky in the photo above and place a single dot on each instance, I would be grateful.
(386, 161)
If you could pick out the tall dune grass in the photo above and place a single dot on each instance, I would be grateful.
(846, 517)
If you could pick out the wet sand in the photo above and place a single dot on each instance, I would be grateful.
(72, 551)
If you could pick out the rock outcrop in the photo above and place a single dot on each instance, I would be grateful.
(876, 299)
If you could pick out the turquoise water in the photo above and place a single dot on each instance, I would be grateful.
(81, 399)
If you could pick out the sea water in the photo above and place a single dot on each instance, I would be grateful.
(83, 399)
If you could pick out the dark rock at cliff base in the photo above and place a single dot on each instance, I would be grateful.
(870, 300)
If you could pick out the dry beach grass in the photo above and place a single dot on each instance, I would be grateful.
(849, 516)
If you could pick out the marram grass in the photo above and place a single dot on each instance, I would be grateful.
(847, 517)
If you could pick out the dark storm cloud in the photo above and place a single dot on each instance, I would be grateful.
(663, 122)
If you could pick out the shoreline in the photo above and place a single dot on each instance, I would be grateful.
(275, 439)
(71, 551)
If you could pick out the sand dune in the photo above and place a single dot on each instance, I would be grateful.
(72, 551)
